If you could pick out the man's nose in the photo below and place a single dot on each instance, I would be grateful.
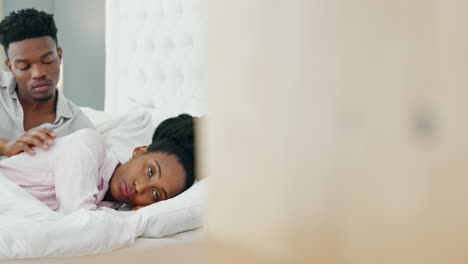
(37, 72)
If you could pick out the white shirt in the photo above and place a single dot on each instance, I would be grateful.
(69, 118)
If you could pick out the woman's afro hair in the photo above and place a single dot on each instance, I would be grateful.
(176, 136)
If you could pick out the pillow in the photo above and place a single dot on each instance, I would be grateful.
(175, 215)
(122, 132)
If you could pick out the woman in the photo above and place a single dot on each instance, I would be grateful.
(75, 173)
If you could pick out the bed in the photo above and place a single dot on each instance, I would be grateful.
(29, 229)
(153, 72)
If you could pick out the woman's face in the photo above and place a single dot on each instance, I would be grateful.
(149, 178)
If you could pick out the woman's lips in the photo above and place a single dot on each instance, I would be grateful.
(124, 188)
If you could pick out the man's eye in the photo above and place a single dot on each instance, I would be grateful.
(48, 62)
(23, 68)
(150, 171)
(155, 195)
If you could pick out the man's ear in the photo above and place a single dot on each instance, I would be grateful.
(59, 53)
(8, 64)
(138, 151)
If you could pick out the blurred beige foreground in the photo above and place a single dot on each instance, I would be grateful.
(337, 133)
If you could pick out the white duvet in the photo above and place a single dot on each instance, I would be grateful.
(29, 229)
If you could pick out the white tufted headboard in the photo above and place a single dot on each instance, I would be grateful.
(153, 51)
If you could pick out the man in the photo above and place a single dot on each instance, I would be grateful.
(32, 111)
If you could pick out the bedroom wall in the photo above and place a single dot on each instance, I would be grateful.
(155, 57)
(45, 5)
(81, 27)
(81, 34)
(337, 132)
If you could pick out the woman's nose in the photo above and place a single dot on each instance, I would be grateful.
(142, 186)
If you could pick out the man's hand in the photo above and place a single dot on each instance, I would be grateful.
(42, 138)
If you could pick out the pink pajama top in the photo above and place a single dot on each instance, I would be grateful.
(73, 173)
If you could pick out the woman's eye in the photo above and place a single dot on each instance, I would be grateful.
(150, 171)
(155, 195)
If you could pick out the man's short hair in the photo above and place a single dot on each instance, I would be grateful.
(25, 24)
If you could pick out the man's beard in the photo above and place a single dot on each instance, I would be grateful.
(44, 99)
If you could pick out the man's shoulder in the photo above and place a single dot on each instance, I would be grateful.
(5, 78)
(8, 110)
(65, 105)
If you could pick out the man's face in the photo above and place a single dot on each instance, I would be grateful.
(35, 64)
